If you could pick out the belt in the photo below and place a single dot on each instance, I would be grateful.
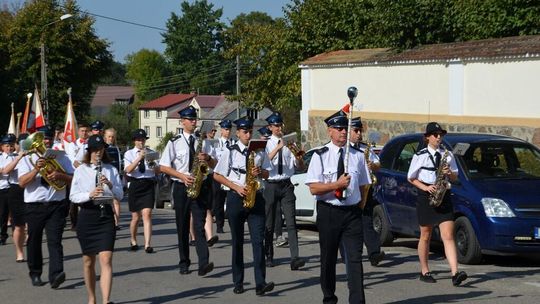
(348, 207)
(44, 203)
(278, 181)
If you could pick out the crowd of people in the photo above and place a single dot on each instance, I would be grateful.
(251, 177)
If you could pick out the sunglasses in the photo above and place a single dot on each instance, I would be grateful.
(340, 128)
(437, 134)
(357, 130)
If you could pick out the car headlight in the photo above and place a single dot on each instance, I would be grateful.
(494, 207)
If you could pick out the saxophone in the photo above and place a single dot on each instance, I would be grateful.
(365, 192)
(441, 183)
(199, 171)
(252, 183)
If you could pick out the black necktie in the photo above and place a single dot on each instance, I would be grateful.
(142, 166)
(245, 153)
(191, 151)
(227, 143)
(280, 161)
(341, 165)
(437, 159)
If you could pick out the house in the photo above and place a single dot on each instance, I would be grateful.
(105, 96)
(485, 86)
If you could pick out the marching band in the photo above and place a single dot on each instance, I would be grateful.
(252, 178)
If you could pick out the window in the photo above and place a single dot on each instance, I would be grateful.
(405, 157)
(178, 131)
(158, 132)
(147, 130)
(146, 113)
(158, 114)
(253, 113)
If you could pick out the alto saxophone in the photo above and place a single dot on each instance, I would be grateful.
(367, 152)
(252, 183)
(435, 199)
(198, 172)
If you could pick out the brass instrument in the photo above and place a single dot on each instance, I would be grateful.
(294, 147)
(198, 172)
(252, 183)
(435, 199)
(365, 192)
(34, 144)
(151, 157)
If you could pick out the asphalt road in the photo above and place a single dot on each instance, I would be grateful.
(153, 278)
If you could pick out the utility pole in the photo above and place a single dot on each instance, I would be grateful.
(44, 94)
(238, 85)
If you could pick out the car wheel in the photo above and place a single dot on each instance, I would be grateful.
(468, 248)
(381, 226)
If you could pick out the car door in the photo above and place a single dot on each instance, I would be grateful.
(305, 201)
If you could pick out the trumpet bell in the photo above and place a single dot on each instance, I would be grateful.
(33, 141)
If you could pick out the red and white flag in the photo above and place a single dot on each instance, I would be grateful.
(70, 127)
(26, 115)
(38, 111)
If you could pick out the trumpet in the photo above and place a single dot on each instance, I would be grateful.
(295, 148)
(34, 144)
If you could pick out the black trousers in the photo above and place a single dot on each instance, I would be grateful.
(238, 215)
(371, 237)
(183, 206)
(276, 194)
(51, 217)
(4, 213)
(335, 225)
(218, 206)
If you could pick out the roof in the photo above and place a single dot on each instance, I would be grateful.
(106, 95)
(494, 49)
(209, 101)
(166, 101)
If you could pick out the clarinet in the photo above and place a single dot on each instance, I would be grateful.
(99, 184)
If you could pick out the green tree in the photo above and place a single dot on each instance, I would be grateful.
(147, 70)
(194, 49)
(117, 118)
(116, 75)
(76, 57)
(6, 97)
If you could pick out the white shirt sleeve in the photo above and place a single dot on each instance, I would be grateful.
(168, 155)
(79, 193)
(414, 167)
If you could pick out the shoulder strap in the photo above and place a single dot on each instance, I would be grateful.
(423, 151)
(176, 137)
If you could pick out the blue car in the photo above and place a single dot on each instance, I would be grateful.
(496, 198)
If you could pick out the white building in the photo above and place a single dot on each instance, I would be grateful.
(488, 86)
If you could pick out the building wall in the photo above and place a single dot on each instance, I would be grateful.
(488, 97)
(152, 122)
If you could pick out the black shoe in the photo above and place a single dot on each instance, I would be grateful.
(212, 240)
(192, 243)
(184, 271)
(427, 277)
(297, 263)
(376, 258)
(206, 269)
(133, 247)
(149, 249)
(3, 241)
(116, 228)
(238, 289)
(58, 280)
(220, 230)
(459, 277)
(269, 262)
(36, 280)
(264, 288)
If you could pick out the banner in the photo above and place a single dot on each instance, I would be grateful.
(12, 128)
(70, 128)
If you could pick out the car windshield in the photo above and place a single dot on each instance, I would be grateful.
(501, 160)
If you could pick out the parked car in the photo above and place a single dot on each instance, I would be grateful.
(496, 198)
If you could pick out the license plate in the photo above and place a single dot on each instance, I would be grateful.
(537, 232)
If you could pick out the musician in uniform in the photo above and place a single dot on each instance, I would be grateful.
(231, 172)
(95, 183)
(114, 153)
(219, 194)
(96, 128)
(371, 237)
(177, 161)
(46, 208)
(72, 150)
(423, 175)
(339, 217)
(141, 191)
(265, 133)
(279, 191)
(7, 149)
(15, 195)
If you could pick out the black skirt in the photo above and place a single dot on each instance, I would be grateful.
(16, 204)
(95, 229)
(141, 194)
(429, 215)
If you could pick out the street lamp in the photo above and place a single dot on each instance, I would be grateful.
(44, 66)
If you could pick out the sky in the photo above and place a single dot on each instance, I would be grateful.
(126, 38)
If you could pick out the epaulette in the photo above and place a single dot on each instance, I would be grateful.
(176, 137)
(235, 147)
(322, 150)
(356, 148)
(423, 151)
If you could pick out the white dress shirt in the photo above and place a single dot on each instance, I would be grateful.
(222, 146)
(13, 177)
(176, 153)
(424, 159)
(84, 182)
(373, 157)
(288, 162)
(4, 178)
(129, 157)
(35, 192)
(323, 169)
(232, 163)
